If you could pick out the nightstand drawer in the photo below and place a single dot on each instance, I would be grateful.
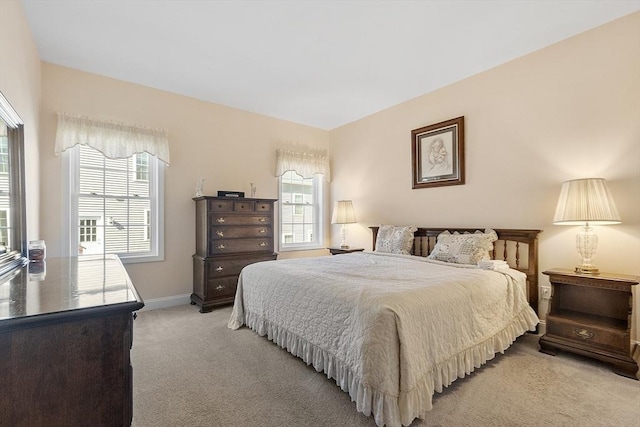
(611, 339)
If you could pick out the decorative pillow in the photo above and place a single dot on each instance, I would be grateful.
(464, 248)
(395, 239)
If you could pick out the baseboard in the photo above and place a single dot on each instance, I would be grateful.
(155, 303)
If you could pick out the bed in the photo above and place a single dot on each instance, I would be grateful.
(395, 325)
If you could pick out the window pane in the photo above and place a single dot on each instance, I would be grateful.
(90, 207)
(139, 211)
(115, 164)
(137, 241)
(91, 181)
(116, 182)
(4, 149)
(139, 188)
(4, 227)
(141, 167)
(298, 233)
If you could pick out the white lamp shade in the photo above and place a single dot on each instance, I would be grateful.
(586, 201)
(343, 212)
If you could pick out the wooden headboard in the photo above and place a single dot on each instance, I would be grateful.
(519, 248)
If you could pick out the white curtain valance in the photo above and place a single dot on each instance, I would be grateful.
(305, 164)
(113, 139)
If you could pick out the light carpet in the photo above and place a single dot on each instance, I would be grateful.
(189, 369)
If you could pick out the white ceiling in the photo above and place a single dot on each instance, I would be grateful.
(320, 63)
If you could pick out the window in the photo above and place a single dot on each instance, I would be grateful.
(88, 230)
(12, 190)
(115, 205)
(301, 212)
(142, 167)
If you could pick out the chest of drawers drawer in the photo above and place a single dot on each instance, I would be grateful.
(227, 246)
(230, 232)
(223, 219)
(230, 205)
(220, 267)
(224, 287)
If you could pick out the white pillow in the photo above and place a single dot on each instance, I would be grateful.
(395, 239)
(464, 248)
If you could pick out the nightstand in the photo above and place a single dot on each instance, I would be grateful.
(337, 251)
(591, 315)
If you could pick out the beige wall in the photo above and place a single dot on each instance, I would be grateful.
(20, 84)
(227, 147)
(571, 110)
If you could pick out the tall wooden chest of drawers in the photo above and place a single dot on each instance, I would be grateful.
(231, 233)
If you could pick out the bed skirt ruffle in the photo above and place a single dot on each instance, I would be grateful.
(391, 410)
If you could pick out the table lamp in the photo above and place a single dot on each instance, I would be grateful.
(586, 202)
(343, 214)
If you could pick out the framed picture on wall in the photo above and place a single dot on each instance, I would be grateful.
(437, 154)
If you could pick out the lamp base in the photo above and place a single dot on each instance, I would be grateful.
(587, 269)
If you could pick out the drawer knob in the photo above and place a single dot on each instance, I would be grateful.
(219, 287)
(583, 333)
(220, 233)
(219, 269)
(263, 244)
(221, 246)
(263, 220)
(262, 231)
(220, 220)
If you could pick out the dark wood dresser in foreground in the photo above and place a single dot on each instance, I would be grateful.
(231, 233)
(591, 315)
(65, 340)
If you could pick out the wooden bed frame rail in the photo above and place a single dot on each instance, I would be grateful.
(519, 248)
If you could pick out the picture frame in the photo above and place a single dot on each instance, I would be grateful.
(437, 154)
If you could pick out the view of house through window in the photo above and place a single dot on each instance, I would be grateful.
(5, 202)
(116, 203)
(301, 204)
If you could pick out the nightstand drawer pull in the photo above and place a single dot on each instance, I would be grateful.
(219, 269)
(220, 233)
(584, 334)
(219, 287)
(220, 220)
(262, 231)
(262, 220)
(263, 244)
(221, 246)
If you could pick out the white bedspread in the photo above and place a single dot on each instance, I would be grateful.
(390, 329)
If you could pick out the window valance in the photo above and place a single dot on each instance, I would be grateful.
(113, 139)
(304, 163)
